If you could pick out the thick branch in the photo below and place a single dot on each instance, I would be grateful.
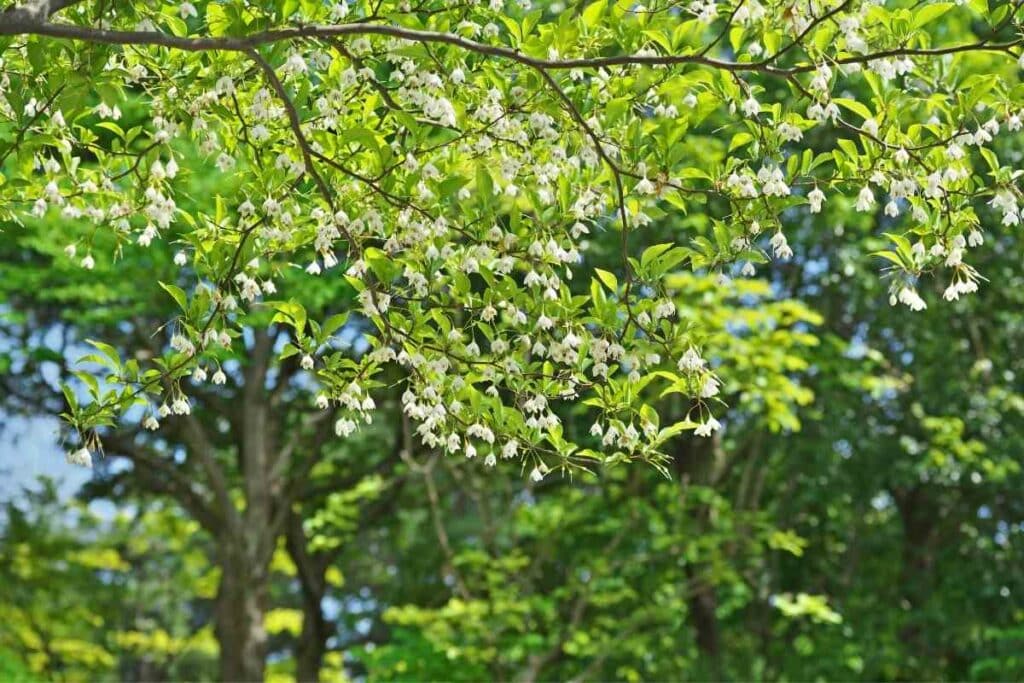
(160, 475)
(23, 23)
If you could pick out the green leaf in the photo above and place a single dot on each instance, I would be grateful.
(608, 279)
(593, 13)
(929, 13)
(654, 251)
(178, 294)
(217, 19)
(739, 140)
(334, 323)
(890, 256)
(108, 351)
(112, 127)
(854, 106)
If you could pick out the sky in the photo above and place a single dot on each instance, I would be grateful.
(29, 449)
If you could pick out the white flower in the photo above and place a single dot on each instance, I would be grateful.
(706, 10)
(88, 262)
(691, 361)
(82, 457)
(70, 250)
(751, 107)
(708, 427)
(186, 10)
(181, 406)
(225, 86)
(151, 423)
(225, 162)
(815, 198)
(180, 259)
(865, 200)
(645, 186)
(774, 181)
(789, 132)
(344, 427)
(537, 474)
(510, 449)
(219, 377)
(306, 362)
(780, 246)
(259, 133)
(322, 402)
(909, 297)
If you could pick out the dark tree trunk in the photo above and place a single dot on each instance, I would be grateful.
(701, 466)
(920, 521)
(238, 617)
(312, 644)
(309, 652)
(703, 613)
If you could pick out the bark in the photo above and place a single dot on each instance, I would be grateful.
(701, 466)
(247, 545)
(703, 607)
(238, 615)
(920, 521)
(312, 643)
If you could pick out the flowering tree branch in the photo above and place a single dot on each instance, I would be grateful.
(466, 164)
(26, 23)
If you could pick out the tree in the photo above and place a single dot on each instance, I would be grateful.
(512, 194)
(87, 597)
(249, 496)
(458, 202)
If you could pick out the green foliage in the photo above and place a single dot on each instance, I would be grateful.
(387, 297)
(86, 597)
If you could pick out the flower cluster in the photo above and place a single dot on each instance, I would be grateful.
(487, 196)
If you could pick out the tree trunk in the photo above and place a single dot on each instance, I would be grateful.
(238, 617)
(920, 520)
(704, 615)
(309, 651)
(311, 569)
(700, 466)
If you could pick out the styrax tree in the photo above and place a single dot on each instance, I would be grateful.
(457, 160)
(250, 465)
(456, 168)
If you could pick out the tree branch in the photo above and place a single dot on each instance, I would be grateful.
(24, 23)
